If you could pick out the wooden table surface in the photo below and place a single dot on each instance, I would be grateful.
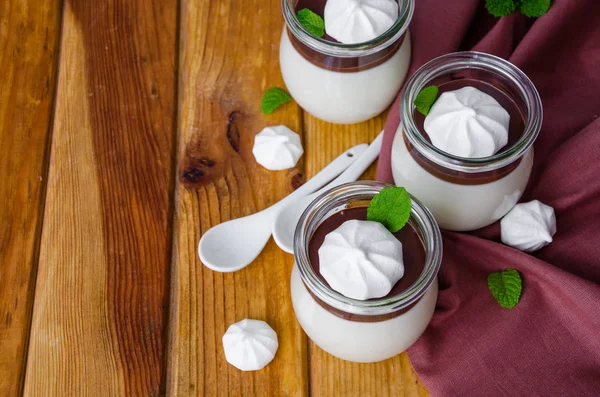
(112, 114)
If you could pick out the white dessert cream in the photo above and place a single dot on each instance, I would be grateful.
(277, 148)
(250, 344)
(340, 83)
(357, 341)
(459, 206)
(468, 123)
(528, 226)
(358, 21)
(361, 259)
(343, 97)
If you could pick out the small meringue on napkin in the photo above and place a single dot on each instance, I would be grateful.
(528, 226)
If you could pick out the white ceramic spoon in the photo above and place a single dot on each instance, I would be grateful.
(285, 224)
(232, 245)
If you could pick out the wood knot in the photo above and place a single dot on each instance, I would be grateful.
(207, 162)
(297, 180)
(192, 176)
(198, 167)
(233, 131)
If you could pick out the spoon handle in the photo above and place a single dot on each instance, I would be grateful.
(356, 169)
(333, 169)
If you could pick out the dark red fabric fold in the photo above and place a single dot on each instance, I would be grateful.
(549, 344)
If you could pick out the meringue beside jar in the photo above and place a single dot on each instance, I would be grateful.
(528, 226)
(277, 148)
(250, 345)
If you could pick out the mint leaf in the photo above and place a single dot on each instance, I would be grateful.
(500, 8)
(391, 207)
(506, 287)
(273, 98)
(424, 101)
(535, 8)
(312, 22)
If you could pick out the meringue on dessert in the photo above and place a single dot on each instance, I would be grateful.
(361, 259)
(528, 226)
(394, 298)
(250, 344)
(354, 72)
(357, 21)
(467, 122)
(468, 160)
(277, 148)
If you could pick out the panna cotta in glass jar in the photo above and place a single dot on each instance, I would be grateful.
(345, 83)
(373, 329)
(484, 131)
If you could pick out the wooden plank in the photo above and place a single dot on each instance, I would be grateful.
(330, 376)
(229, 55)
(29, 33)
(101, 295)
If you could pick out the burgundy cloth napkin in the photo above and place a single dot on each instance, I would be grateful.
(549, 344)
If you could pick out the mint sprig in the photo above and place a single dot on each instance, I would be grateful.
(534, 8)
(312, 22)
(273, 98)
(390, 207)
(500, 8)
(530, 8)
(424, 101)
(506, 287)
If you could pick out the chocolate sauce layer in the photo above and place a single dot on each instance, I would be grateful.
(515, 132)
(414, 257)
(338, 64)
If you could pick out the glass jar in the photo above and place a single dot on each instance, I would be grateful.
(344, 83)
(374, 329)
(466, 193)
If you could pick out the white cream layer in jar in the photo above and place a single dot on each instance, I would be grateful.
(457, 206)
(343, 97)
(357, 341)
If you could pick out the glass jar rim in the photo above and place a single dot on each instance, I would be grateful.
(429, 232)
(395, 32)
(472, 60)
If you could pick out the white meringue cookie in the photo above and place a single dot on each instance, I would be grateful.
(277, 148)
(250, 344)
(528, 226)
(357, 21)
(361, 259)
(468, 123)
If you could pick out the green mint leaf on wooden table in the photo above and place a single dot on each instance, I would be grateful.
(534, 8)
(273, 98)
(391, 207)
(500, 8)
(424, 101)
(506, 287)
(312, 22)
